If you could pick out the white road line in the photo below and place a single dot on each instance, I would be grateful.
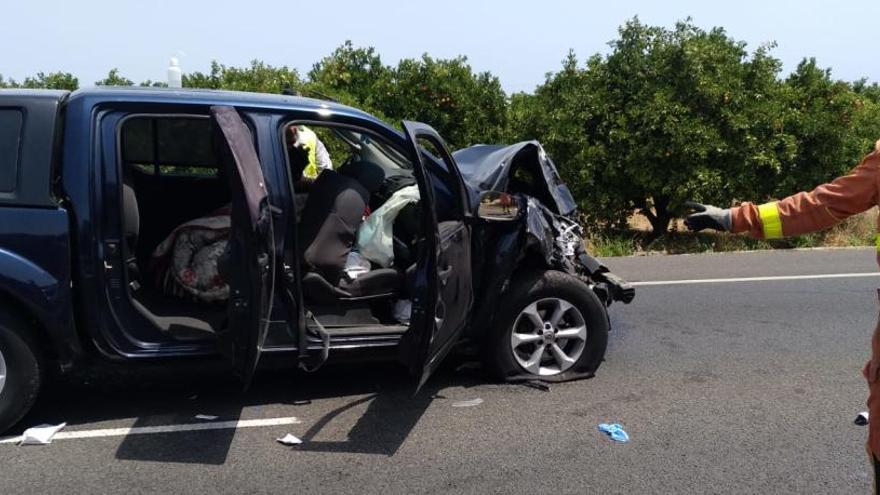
(753, 279)
(147, 430)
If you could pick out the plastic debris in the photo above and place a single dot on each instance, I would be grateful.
(289, 440)
(402, 310)
(862, 418)
(614, 431)
(356, 265)
(40, 435)
(206, 417)
(468, 403)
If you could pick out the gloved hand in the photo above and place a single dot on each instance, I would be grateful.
(707, 217)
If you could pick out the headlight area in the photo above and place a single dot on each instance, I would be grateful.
(608, 286)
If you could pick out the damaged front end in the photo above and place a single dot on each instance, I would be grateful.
(543, 233)
(560, 241)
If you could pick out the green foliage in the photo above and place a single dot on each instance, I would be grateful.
(153, 84)
(676, 114)
(819, 115)
(258, 77)
(114, 79)
(465, 107)
(869, 91)
(351, 75)
(52, 80)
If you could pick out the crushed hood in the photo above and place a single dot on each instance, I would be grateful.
(488, 167)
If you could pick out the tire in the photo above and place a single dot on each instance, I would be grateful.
(21, 367)
(526, 323)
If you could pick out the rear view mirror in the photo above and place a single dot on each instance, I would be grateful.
(497, 206)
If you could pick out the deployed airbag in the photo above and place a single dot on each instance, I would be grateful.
(375, 240)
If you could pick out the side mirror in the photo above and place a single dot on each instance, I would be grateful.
(496, 206)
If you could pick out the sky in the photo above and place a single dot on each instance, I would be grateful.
(519, 41)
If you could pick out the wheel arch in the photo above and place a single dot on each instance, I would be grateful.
(42, 303)
(540, 280)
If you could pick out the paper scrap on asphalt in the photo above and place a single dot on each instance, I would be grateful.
(40, 435)
(206, 417)
(468, 403)
(289, 440)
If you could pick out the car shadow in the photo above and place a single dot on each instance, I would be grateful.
(390, 416)
(173, 394)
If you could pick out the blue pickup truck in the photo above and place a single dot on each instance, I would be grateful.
(142, 224)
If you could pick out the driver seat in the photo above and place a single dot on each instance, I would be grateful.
(332, 214)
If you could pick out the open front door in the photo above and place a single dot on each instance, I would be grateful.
(249, 261)
(443, 291)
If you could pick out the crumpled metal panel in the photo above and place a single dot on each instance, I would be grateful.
(488, 167)
(539, 228)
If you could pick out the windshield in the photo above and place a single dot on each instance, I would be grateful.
(372, 149)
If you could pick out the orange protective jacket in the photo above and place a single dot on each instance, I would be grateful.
(818, 209)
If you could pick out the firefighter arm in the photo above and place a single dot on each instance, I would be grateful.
(818, 209)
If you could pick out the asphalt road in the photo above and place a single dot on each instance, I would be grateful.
(727, 387)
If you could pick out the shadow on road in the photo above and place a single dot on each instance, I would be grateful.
(175, 394)
(382, 429)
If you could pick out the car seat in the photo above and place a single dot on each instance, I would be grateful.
(131, 217)
(332, 214)
(131, 227)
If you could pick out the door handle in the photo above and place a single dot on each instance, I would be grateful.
(439, 314)
(444, 274)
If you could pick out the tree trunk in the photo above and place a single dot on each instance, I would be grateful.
(659, 217)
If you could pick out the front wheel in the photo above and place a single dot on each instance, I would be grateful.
(552, 327)
(20, 370)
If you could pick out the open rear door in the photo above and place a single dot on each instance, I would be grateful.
(250, 256)
(443, 291)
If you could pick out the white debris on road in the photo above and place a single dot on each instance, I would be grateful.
(40, 435)
(289, 440)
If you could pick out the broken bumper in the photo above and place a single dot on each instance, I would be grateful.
(608, 286)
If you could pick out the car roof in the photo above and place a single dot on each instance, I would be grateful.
(218, 97)
(52, 94)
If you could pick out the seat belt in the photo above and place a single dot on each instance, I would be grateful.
(325, 345)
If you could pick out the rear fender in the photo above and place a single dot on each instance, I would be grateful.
(43, 298)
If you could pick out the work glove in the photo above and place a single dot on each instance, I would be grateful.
(707, 217)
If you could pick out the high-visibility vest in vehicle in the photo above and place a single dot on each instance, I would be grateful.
(310, 140)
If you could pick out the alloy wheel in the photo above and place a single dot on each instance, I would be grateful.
(548, 336)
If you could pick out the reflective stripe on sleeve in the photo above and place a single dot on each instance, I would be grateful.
(770, 220)
(877, 242)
